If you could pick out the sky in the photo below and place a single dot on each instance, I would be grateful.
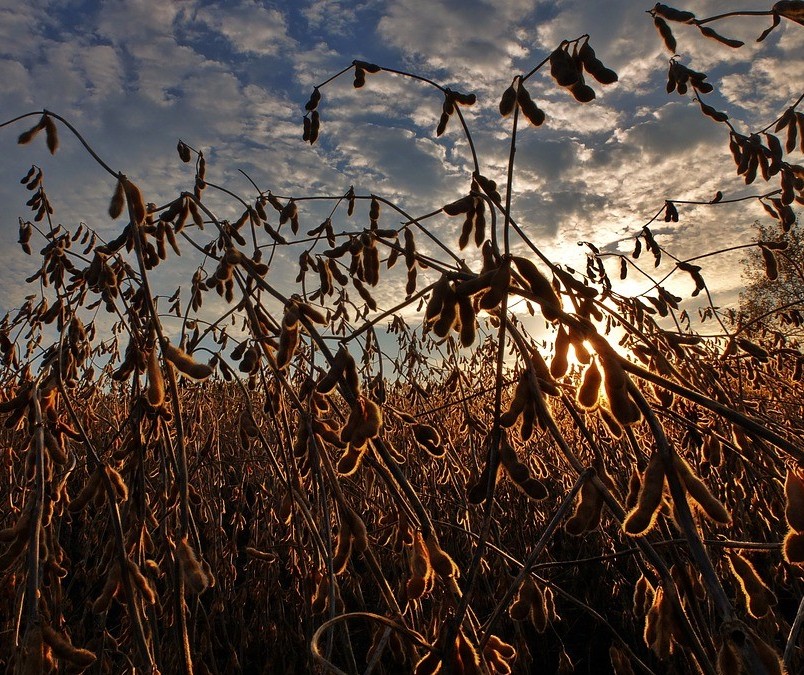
(231, 79)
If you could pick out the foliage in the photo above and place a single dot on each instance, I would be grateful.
(775, 282)
(258, 492)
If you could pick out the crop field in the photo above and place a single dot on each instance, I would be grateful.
(315, 481)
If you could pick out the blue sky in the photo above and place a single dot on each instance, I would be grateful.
(232, 79)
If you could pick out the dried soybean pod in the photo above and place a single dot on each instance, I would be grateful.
(420, 565)
(643, 596)
(118, 200)
(156, 383)
(87, 492)
(426, 434)
(614, 427)
(666, 33)
(329, 381)
(652, 619)
(135, 200)
(349, 462)
(371, 422)
(184, 363)
(620, 663)
(615, 375)
(577, 342)
(19, 529)
(470, 287)
(696, 488)
(546, 383)
(196, 578)
(120, 487)
(506, 650)
(449, 314)
(476, 493)
(528, 593)
(518, 402)
(538, 610)
(110, 589)
(480, 222)
(594, 66)
(529, 109)
(357, 529)
(371, 303)
(589, 391)
(497, 289)
(415, 587)
(642, 517)
(712, 450)
(320, 599)
(794, 495)
(462, 205)
(587, 511)
(354, 420)
(698, 589)
(311, 313)
(793, 548)
(350, 371)
(27, 136)
(519, 610)
(64, 649)
(468, 655)
(371, 264)
(343, 549)
(288, 337)
(436, 302)
(441, 561)
(466, 317)
(663, 644)
(563, 68)
(142, 584)
(758, 596)
(496, 661)
(560, 362)
(336, 272)
(541, 288)
(55, 449)
(625, 411)
(17, 403)
(508, 100)
(771, 265)
(533, 488)
(728, 659)
(767, 655)
(410, 286)
(518, 471)
(528, 420)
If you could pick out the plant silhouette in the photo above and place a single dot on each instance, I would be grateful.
(253, 490)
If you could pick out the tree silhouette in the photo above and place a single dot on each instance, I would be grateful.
(774, 276)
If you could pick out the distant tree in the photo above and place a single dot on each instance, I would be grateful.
(774, 276)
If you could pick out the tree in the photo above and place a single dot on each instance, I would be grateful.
(774, 275)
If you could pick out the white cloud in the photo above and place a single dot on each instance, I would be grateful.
(138, 21)
(473, 39)
(17, 24)
(333, 16)
(250, 28)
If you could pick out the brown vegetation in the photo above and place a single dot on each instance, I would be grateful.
(254, 500)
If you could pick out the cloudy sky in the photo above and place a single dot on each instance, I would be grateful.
(231, 79)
